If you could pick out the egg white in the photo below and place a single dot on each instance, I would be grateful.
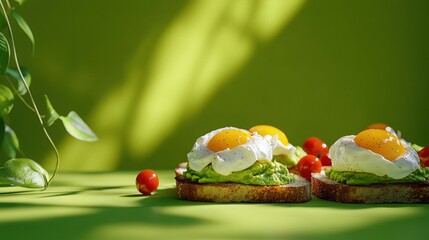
(279, 148)
(398, 135)
(346, 155)
(229, 160)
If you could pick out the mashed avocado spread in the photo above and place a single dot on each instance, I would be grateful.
(360, 178)
(260, 173)
(292, 159)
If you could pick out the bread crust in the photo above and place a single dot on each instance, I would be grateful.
(325, 188)
(296, 192)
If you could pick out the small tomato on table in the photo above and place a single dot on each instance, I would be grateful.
(147, 181)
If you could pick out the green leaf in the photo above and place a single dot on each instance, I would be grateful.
(10, 143)
(76, 127)
(24, 26)
(24, 172)
(52, 115)
(6, 100)
(13, 72)
(2, 130)
(4, 53)
(3, 23)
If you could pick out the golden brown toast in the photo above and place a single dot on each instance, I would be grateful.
(325, 188)
(296, 192)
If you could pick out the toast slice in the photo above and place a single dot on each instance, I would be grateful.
(296, 192)
(325, 188)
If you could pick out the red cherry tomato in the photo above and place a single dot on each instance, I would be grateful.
(307, 165)
(326, 161)
(315, 146)
(147, 181)
(424, 156)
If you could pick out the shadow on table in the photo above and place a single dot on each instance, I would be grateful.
(409, 227)
(147, 213)
(316, 202)
(406, 227)
(152, 212)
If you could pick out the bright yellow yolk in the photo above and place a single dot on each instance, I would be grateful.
(228, 139)
(381, 142)
(270, 130)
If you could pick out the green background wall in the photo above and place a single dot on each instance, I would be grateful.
(149, 77)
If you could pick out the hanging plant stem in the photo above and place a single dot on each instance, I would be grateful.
(33, 103)
(19, 96)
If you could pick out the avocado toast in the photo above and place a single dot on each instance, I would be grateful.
(235, 165)
(375, 166)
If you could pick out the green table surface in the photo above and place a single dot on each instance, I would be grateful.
(108, 206)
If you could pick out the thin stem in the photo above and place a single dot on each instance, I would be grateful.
(39, 117)
(19, 95)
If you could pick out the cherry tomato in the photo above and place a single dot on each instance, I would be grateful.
(326, 161)
(424, 156)
(147, 181)
(307, 165)
(315, 146)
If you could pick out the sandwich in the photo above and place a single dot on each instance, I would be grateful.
(374, 166)
(236, 165)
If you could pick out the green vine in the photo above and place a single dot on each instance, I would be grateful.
(22, 171)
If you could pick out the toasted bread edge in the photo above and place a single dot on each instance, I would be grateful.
(297, 192)
(325, 188)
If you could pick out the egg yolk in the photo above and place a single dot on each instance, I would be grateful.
(381, 142)
(225, 139)
(270, 130)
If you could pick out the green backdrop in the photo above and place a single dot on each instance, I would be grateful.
(149, 77)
